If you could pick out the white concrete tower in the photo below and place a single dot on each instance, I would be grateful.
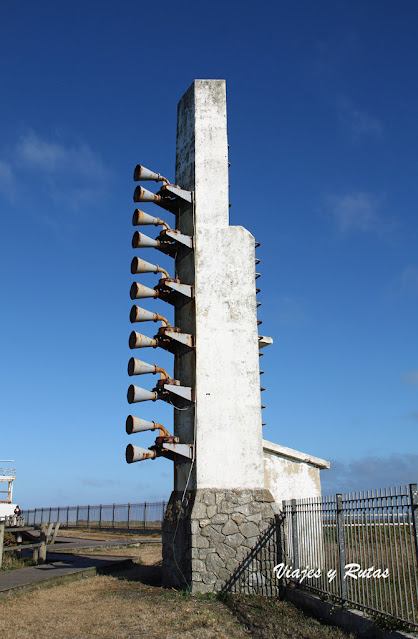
(225, 507)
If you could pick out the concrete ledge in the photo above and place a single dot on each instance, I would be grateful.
(294, 454)
(349, 620)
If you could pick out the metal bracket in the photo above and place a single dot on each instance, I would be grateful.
(174, 199)
(185, 392)
(174, 292)
(264, 341)
(179, 453)
(172, 340)
(174, 234)
(169, 390)
(172, 242)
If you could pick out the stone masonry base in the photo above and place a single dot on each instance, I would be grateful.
(206, 539)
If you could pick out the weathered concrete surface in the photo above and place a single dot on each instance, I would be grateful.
(289, 474)
(349, 620)
(225, 367)
(225, 423)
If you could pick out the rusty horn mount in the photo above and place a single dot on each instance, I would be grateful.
(142, 174)
(137, 425)
(141, 266)
(140, 218)
(139, 314)
(137, 367)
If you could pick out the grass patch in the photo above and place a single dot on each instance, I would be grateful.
(13, 561)
(122, 606)
(270, 618)
(109, 607)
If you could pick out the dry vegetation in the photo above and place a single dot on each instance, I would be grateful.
(148, 555)
(102, 535)
(13, 561)
(268, 618)
(123, 607)
(112, 608)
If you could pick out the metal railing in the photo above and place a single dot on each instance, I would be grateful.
(361, 550)
(140, 516)
(8, 472)
(256, 574)
(358, 549)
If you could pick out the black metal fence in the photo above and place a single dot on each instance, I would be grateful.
(256, 573)
(360, 549)
(141, 516)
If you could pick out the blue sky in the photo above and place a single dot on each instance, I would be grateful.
(322, 126)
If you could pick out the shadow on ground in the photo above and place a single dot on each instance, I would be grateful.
(131, 571)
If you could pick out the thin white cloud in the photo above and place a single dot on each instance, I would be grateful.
(359, 123)
(356, 211)
(71, 175)
(56, 158)
(410, 378)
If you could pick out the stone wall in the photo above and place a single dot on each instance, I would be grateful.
(216, 531)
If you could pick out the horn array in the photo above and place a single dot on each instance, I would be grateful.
(171, 242)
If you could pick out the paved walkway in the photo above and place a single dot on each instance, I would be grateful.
(65, 563)
(63, 544)
(59, 565)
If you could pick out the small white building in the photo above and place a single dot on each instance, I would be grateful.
(289, 474)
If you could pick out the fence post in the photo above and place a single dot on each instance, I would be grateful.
(76, 517)
(113, 515)
(280, 551)
(414, 511)
(50, 514)
(279, 530)
(100, 516)
(1, 542)
(68, 512)
(42, 546)
(294, 534)
(55, 533)
(34, 517)
(58, 514)
(129, 514)
(88, 516)
(145, 515)
(341, 545)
